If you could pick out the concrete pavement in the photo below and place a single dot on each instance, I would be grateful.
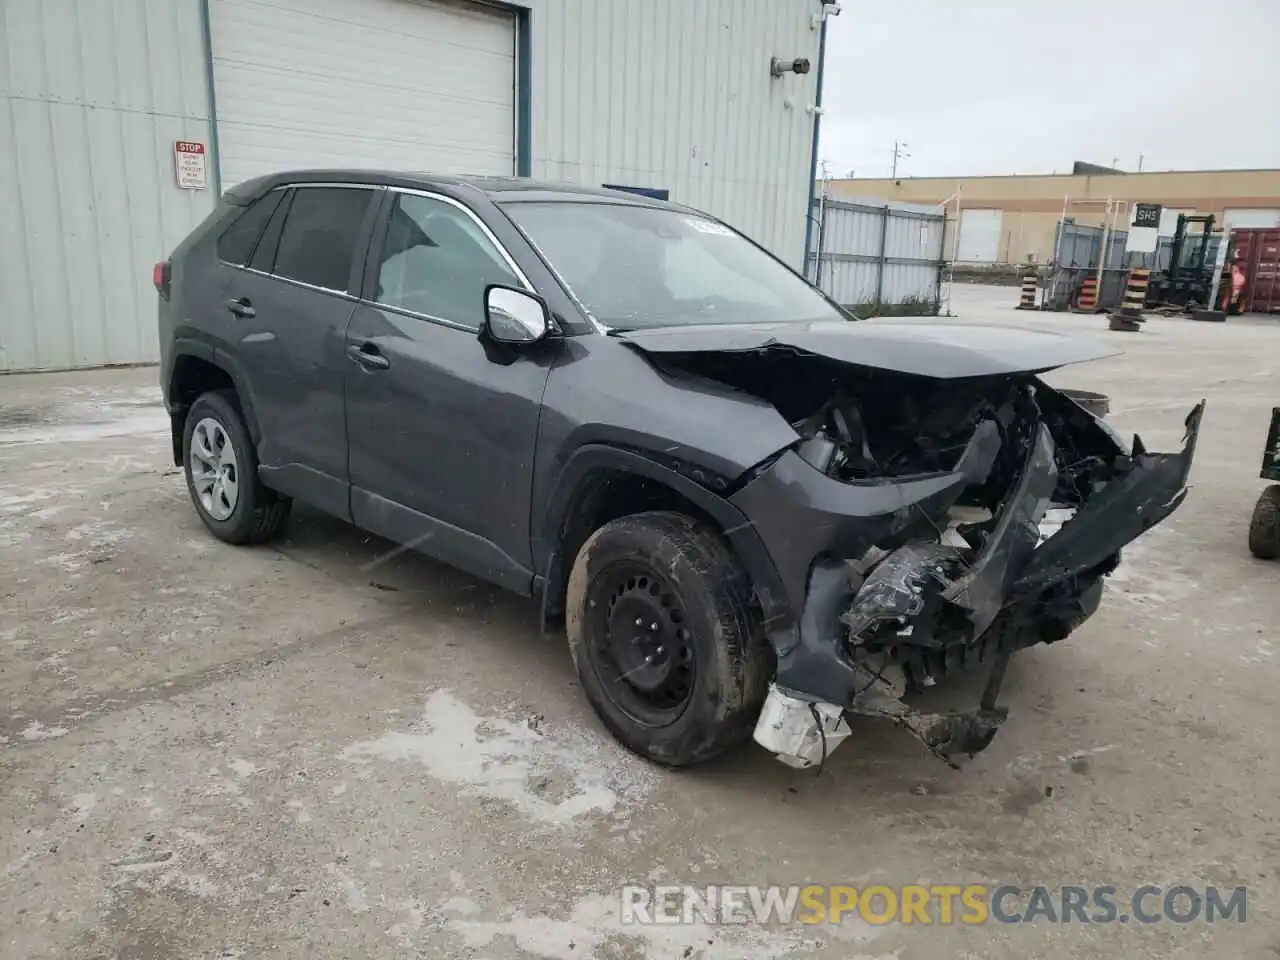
(303, 751)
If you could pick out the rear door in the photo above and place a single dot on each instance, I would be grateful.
(442, 433)
(291, 306)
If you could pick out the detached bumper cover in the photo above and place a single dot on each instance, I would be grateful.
(801, 514)
(1154, 486)
(1015, 592)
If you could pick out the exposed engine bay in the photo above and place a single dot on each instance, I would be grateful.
(926, 525)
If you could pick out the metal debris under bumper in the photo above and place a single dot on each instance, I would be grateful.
(803, 733)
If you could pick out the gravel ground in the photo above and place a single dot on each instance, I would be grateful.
(305, 751)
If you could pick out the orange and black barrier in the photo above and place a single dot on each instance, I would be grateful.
(1087, 301)
(1135, 293)
(1027, 300)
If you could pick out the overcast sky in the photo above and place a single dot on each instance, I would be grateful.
(999, 86)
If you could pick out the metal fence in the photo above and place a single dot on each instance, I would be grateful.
(874, 256)
(1079, 245)
(1076, 255)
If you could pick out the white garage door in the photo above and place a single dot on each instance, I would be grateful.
(1169, 219)
(979, 236)
(394, 84)
(1243, 218)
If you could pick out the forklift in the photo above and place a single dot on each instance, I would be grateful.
(1186, 283)
(1264, 528)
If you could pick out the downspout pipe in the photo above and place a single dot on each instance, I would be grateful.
(215, 155)
(813, 159)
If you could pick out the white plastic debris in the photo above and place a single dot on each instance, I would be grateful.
(958, 515)
(800, 732)
(1053, 520)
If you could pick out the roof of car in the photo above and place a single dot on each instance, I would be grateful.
(504, 189)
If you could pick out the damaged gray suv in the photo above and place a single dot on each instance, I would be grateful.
(752, 514)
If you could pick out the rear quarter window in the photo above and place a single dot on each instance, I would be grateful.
(237, 242)
(264, 258)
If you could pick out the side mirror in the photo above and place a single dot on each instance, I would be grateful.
(514, 316)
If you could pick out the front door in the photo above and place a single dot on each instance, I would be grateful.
(442, 437)
(293, 305)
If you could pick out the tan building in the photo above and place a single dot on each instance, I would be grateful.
(1015, 219)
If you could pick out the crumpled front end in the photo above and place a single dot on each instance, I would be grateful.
(922, 528)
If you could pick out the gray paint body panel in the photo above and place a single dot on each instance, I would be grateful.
(603, 392)
(926, 348)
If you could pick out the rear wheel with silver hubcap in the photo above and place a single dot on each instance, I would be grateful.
(214, 472)
(222, 473)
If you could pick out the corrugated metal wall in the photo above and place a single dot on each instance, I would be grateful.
(672, 94)
(94, 94)
(677, 94)
(876, 254)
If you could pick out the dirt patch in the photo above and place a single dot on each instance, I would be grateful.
(24, 416)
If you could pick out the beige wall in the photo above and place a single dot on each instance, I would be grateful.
(1033, 205)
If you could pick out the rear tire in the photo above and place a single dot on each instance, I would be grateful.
(662, 586)
(1264, 528)
(221, 467)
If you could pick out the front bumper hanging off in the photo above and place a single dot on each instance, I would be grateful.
(1014, 594)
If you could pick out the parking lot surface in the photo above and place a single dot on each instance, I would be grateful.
(329, 748)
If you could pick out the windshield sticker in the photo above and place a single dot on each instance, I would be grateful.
(706, 226)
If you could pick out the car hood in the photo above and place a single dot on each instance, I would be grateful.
(924, 347)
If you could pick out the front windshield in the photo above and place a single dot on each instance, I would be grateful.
(634, 266)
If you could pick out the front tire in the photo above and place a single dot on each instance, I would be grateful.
(1264, 529)
(667, 644)
(221, 466)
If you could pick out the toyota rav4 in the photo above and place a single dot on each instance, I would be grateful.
(752, 513)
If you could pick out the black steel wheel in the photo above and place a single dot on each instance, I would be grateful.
(639, 643)
(667, 644)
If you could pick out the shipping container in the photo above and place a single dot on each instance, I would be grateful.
(1260, 250)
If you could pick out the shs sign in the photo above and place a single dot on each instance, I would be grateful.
(1146, 215)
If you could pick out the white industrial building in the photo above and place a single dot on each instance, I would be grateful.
(124, 119)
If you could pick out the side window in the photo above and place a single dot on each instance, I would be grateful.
(437, 261)
(319, 237)
(238, 240)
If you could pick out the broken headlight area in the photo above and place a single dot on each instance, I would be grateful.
(925, 526)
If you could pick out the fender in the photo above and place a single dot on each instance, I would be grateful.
(192, 347)
(201, 350)
(244, 392)
(741, 535)
(182, 347)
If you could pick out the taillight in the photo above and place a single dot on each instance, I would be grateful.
(160, 277)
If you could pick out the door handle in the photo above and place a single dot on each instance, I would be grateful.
(241, 307)
(368, 356)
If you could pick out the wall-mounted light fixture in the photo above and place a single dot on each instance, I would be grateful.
(778, 66)
(830, 8)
